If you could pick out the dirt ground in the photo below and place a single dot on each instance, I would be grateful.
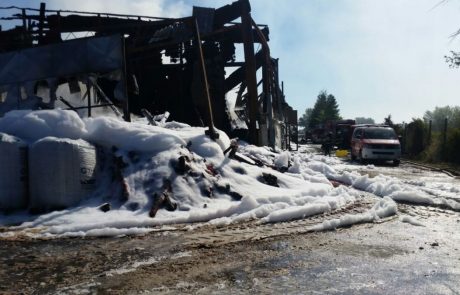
(378, 258)
(387, 257)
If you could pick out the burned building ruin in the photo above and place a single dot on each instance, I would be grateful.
(145, 65)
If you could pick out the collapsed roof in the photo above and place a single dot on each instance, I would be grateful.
(148, 65)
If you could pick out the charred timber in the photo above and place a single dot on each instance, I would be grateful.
(233, 34)
(239, 74)
(231, 12)
(251, 78)
(80, 23)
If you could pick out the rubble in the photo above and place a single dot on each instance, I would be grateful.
(149, 66)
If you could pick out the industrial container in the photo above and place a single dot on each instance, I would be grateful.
(62, 172)
(13, 173)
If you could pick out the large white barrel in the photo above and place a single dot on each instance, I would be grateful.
(61, 171)
(13, 173)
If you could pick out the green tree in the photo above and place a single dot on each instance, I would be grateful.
(326, 108)
(439, 114)
(437, 151)
(388, 121)
(416, 134)
(303, 121)
(398, 128)
(332, 108)
(453, 60)
(453, 146)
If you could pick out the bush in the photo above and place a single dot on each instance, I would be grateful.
(434, 150)
(415, 134)
(453, 146)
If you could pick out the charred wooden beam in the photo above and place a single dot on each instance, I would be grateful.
(80, 23)
(14, 39)
(251, 78)
(238, 75)
(89, 90)
(103, 95)
(267, 106)
(266, 69)
(239, 96)
(41, 21)
(68, 104)
(144, 57)
(24, 20)
(153, 47)
(228, 13)
(235, 64)
(126, 110)
(233, 34)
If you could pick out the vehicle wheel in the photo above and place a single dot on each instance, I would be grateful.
(396, 163)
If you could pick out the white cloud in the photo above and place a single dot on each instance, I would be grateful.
(377, 57)
(158, 8)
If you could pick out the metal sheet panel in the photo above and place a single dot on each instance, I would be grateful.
(89, 55)
(205, 19)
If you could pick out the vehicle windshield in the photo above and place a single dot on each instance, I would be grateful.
(379, 133)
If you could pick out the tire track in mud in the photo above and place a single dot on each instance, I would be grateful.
(81, 265)
(45, 266)
(253, 231)
(93, 264)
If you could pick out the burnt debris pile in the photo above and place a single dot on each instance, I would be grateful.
(131, 64)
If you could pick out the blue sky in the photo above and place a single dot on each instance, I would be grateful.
(377, 57)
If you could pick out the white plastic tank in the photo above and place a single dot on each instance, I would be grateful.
(13, 173)
(62, 172)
